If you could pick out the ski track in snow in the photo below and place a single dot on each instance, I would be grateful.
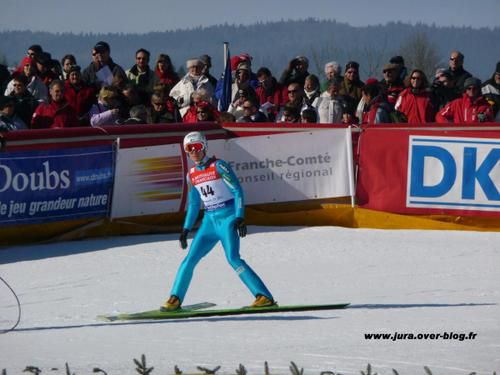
(397, 281)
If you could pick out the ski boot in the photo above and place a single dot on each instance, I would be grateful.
(263, 301)
(172, 304)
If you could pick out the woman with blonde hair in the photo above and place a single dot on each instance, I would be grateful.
(107, 109)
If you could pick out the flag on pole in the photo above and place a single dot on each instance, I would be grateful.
(225, 98)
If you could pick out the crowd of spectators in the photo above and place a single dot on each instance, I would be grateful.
(46, 93)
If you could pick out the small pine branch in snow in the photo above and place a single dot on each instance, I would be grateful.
(368, 370)
(266, 368)
(208, 371)
(141, 366)
(32, 369)
(295, 370)
(241, 370)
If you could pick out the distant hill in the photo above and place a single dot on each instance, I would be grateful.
(273, 44)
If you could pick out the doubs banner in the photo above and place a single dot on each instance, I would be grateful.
(430, 172)
(62, 184)
(290, 167)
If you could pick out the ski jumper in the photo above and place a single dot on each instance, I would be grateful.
(215, 183)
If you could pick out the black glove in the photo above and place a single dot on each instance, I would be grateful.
(240, 226)
(183, 239)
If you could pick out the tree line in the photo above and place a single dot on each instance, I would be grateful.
(273, 44)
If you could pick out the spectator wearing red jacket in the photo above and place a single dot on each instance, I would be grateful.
(57, 113)
(270, 94)
(79, 95)
(470, 108)
(165, 71)
(415, 101)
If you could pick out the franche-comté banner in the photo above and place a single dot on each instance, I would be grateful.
(290, 167)
(61, 184)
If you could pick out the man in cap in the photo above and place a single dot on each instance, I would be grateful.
(102, 69)
(9, 121)
(296, 71)
(194, 80)
(472, 107)
(213, 182)
(391, 84)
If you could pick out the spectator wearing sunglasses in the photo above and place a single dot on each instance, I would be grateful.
(162, 110)
(457, 72)
(415, 101)
(472, 107)
(96, 74)
(192, 81)
(27, 69)
(25, 103)
(251, 112)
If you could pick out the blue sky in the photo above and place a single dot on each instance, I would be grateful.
(159, 15)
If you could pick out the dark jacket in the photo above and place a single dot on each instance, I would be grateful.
(89, 74)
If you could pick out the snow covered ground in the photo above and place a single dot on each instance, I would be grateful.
(397, 281)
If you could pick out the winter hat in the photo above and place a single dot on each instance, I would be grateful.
(246, 57)
(243, 66)
(391, 67)
(351, 64)
(43, 58)
(235, 60)
(101, 47)
(37, 48)
(75, 68)
(397, 60)
(5, 101)
(498, 68)
(371, 81)
(472, 81)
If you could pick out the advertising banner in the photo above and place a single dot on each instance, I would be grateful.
(52, 185)
(439, 172)
(292, 166)
(149, 180)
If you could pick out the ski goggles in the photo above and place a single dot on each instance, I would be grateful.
(194, 147)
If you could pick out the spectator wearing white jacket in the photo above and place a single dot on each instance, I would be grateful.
(330, 106)
(192, 81)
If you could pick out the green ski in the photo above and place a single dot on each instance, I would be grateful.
(151, 314)
(187, 312)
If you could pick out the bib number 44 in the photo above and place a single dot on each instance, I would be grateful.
(207, 190)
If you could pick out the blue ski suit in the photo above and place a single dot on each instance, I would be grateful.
(215, 183)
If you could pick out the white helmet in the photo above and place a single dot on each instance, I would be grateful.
(195, 137)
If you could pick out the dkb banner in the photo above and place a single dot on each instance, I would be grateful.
(50, 185)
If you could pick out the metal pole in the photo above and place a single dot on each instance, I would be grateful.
(226, 46)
